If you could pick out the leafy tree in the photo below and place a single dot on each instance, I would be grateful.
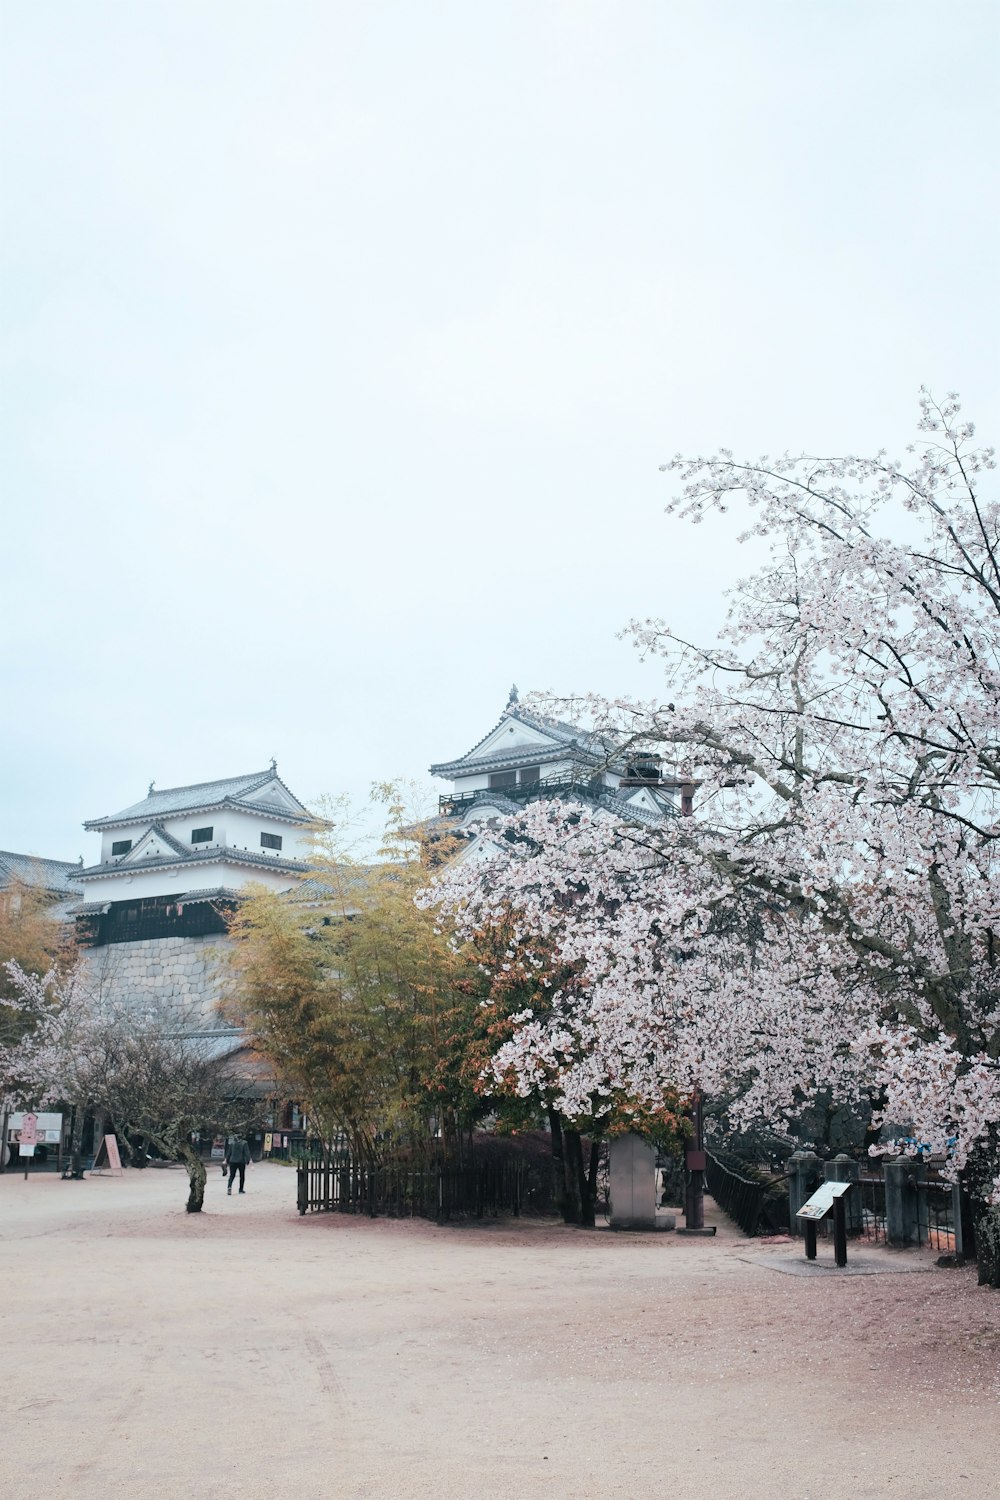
(32, 938)
(95, 1049)
(347, 987)
(529, 915)
(843, 737)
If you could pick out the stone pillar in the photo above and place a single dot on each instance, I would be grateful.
(804, 1176)
(632, 1162)
(901, 1202)
(844, 1169)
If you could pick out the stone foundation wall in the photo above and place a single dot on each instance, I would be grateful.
(177, 976)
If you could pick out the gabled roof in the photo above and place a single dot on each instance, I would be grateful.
(215, 854)
(135, 855)
(579, 744)
(55, 875)
(234, 791)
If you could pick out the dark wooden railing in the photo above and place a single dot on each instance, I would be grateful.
(404, 1190)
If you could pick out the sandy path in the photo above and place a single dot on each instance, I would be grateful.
(249, 1353)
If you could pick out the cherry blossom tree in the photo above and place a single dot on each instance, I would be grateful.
(828, 920)
(90, 1046)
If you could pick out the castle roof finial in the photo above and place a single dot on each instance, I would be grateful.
(151, 786)
(274, 763)
(512, 696)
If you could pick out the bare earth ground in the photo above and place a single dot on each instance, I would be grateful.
(249, 1353)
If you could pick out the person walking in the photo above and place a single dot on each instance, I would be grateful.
(238, 1157)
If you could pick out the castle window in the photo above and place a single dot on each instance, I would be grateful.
(270, 841)
(529, 775)
(643, 769)
(120, 846)
(502, 778)
(202, 835)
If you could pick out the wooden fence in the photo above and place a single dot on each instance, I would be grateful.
(342, 1184)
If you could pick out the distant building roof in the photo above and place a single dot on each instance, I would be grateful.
(582, 744)
(55, 875)
(203, 795)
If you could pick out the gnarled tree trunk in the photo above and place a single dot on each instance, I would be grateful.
(987, 1222)
(196, 1178)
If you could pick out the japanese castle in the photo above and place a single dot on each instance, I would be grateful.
(526, 757)
(173, 862)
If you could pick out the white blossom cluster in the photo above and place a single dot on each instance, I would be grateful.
(830, 917)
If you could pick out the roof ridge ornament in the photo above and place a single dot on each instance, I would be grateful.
(512, 697)
(274, 763)
(151, 786)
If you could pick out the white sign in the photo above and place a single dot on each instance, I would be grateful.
(822, 1200)
(48, 1126)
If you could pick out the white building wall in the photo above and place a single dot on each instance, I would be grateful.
(241, 830)
(174, 879)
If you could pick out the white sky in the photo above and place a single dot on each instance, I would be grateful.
(341, 343)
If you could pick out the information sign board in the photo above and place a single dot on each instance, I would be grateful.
(48, 1127)
(822, 1200)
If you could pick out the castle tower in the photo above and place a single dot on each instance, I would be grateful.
(171, 869)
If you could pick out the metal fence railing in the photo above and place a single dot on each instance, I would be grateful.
(938, 1215)
(871, 1192)
(758, 1203)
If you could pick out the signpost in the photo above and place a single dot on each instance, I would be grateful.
(829, 1195)
(27, 1136)
(109, 1146)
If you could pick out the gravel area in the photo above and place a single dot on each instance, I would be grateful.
(246, 1352)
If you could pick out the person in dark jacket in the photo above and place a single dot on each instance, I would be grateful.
(238, 1157)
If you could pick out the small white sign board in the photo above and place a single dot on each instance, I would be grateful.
(48, 1127)
(822, 1200)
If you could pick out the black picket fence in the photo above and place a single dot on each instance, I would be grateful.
(939, 1215)
(342, 1184)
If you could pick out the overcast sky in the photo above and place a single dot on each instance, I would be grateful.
(342, 342)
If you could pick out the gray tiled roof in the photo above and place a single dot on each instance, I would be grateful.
(217, 893)
(56, 875)
(217, 854)
(187, 898)
(203, 795)
(625, 809)
(581, 742)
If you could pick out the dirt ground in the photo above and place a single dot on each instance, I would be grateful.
(249, 1353)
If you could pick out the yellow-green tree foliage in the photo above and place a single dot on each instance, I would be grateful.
(33, 938)
(348, 988)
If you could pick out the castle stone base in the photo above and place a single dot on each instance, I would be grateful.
(178, 977)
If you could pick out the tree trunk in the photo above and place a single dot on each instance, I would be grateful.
(988, 1245)
(573, 1177)
(559, 1168)
(590, 1197)
(196, 1178)
(76, 1142)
